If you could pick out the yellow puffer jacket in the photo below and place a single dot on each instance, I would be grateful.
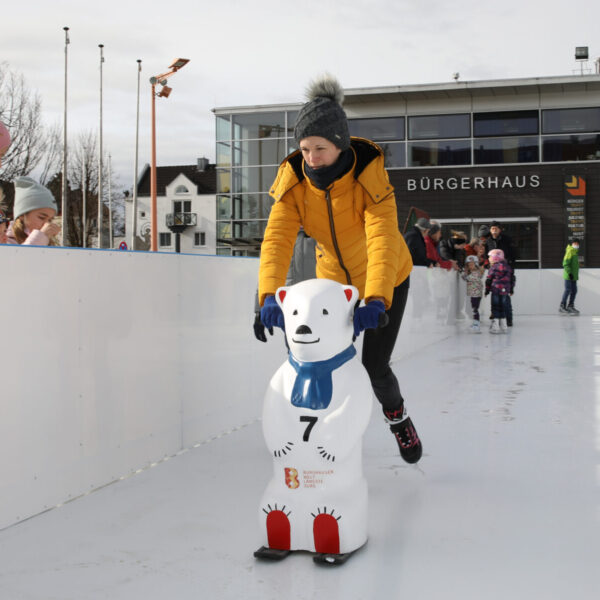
(354, 222)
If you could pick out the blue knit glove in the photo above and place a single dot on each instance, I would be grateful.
(271, 315)
(370, 316)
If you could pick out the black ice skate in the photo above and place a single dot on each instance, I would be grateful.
(406, 435)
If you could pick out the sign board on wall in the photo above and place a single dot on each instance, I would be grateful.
(575, 192)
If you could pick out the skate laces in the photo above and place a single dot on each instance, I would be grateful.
(405, 433)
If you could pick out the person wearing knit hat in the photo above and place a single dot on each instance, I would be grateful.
(337, 188)
(500, 283)
(33, 211)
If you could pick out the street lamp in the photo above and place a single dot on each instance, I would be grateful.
(177, 64)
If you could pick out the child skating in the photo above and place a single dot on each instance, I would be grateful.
(473, 275)
(500, 283)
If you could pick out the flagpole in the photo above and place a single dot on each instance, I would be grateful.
(64, 169)
(135, 170)
(101, 46)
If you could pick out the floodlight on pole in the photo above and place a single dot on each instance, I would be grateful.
(177, 64)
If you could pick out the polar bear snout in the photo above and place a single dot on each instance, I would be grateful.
(304, 330)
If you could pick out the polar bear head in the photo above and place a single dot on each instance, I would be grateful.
(318, 318)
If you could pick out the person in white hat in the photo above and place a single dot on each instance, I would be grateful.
(33, 211)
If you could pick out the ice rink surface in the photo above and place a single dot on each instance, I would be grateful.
(505, 502)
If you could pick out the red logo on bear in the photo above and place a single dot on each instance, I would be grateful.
(291, 478)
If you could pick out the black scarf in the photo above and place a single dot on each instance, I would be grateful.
(323, 177)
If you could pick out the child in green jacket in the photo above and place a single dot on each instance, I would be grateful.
(570, 275)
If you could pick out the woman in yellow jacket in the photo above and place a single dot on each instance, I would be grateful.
(337, 188)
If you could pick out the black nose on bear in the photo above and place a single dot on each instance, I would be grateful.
(303, 330)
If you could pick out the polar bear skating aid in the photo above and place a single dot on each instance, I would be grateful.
(316, 409)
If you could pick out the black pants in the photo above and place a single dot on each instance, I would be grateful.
(378, 346)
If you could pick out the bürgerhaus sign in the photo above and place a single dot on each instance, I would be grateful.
(426, 184)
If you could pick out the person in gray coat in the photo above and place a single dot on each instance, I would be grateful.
(302, 266)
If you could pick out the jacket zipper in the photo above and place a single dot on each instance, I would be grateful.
(334, 238)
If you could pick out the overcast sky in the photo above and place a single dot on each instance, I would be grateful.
(265, 51)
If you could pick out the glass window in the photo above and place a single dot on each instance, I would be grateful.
(177, 206)
(164, 239)
(571, 147)
(223, 181)
(199, 238)
(181, 189)
(292, 115)
(258, 152)
(223, 230)
(249, 229)
(223, 154)
(567, 120)
(223, 128)
(439, 126)
(223, 207)
(253, 179)
(506, 150)
(258, 125)
(391, 128)
(251, 206)
(446, 152)
(523, 122)
(394, 154)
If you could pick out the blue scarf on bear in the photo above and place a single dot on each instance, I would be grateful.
(313, 386)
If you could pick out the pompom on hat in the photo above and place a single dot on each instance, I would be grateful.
(496, 255)
(323, 114)
(30, 195)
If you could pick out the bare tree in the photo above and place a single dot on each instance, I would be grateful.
(82, 176)
(52, 162)
(20, 111)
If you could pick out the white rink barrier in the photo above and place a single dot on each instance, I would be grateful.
(112, 361)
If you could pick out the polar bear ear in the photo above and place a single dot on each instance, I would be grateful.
(351, 294)
(280, 295)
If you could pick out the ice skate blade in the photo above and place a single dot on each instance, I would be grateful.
(271, 553)
(332, 559)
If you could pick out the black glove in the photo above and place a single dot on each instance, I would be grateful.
(571, 276)
(259, 329)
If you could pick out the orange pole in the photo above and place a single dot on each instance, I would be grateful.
(153, 219)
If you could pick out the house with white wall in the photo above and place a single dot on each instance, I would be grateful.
(185, 205)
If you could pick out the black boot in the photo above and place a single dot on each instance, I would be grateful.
(406, 435)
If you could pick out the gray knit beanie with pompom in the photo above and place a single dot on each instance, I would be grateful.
(323, 114)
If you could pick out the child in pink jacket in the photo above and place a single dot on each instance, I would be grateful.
(33, 211)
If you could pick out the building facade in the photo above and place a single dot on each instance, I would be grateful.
(525, 152)
(185, 206)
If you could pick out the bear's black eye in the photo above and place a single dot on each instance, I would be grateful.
(325, 311)
(295, 312)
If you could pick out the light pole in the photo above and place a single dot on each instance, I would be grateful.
(164, 93)
(135, 170)
(101, 46)
(64, 173)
